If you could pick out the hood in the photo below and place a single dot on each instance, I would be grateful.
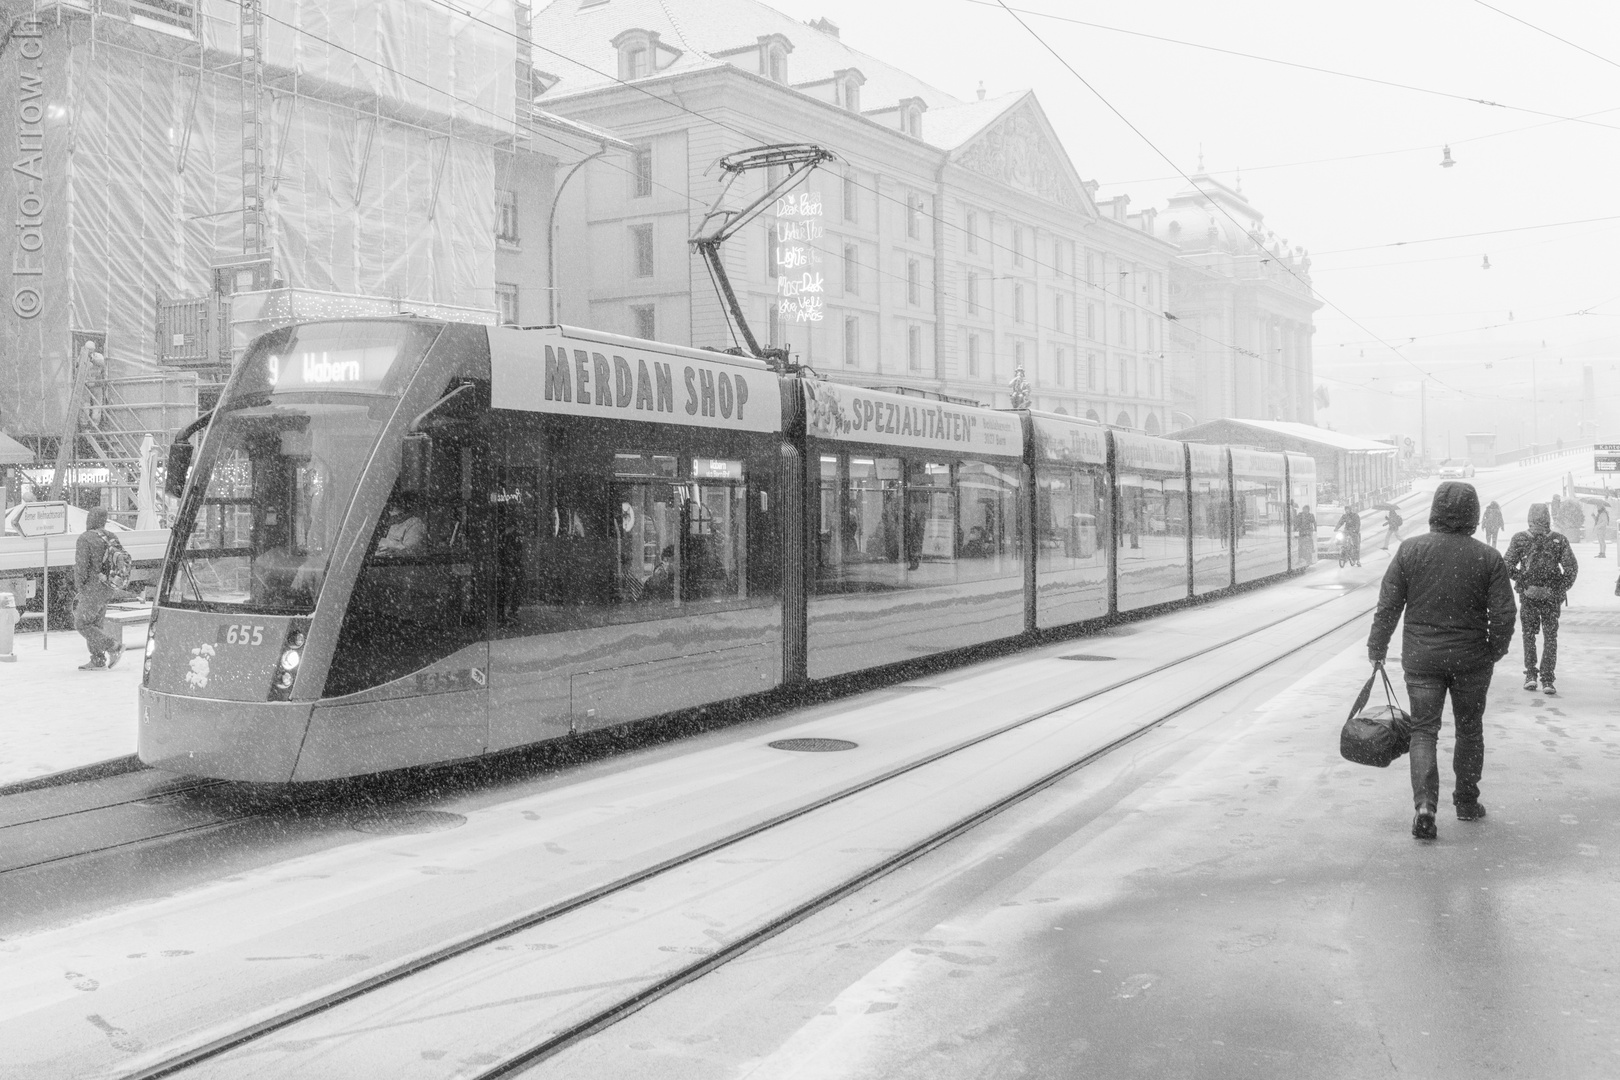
(1492, 505)
(1455, 508)
(1540, 519)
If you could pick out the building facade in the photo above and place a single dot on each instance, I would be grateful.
(307, 159)
(950, 244)
(1243, 308)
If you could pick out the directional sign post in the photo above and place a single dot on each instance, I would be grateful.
(44, 520)
(1606, 457)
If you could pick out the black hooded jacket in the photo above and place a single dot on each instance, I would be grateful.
(1454, 590)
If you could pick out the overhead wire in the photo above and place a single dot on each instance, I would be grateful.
(1469, 235)
(1017, 12)
(1549, 33)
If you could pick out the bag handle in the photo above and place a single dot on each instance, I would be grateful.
(1366, 691)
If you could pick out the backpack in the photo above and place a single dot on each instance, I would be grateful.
(115, 562)
(1541, 563)
(1394, 520)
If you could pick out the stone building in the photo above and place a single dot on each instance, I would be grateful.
(951, 242)
(1243, 307)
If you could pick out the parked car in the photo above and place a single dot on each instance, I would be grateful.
(1456, 469)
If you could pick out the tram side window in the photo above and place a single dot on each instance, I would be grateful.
(907, 523)
(418, 597)
(1071, 521)
(665, 535)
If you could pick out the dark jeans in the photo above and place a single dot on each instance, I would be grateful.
(1428, 694)
(1539, 615)
(89, 619)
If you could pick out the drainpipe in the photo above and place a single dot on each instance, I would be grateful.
(939, 272)
(551, 236)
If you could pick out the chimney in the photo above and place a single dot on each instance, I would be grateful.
(826, 26)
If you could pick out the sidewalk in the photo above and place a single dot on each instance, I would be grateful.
(57, 717)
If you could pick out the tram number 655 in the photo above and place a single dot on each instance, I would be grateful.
(244, 634)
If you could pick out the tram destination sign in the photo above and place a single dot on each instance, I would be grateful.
(603, 376)
(1606, 457)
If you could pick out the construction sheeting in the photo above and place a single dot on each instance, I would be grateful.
(380, 122)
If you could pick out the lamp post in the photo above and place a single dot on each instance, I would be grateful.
(551, 236)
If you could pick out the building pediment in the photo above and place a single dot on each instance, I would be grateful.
(1019, 149)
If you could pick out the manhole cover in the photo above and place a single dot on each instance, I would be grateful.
(401, 822)
(1084, 656)
(813, 746)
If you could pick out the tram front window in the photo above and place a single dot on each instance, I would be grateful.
(267, 500)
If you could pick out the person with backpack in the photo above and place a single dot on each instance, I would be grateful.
(1457, 604)
(1543, 568)
(95, 556)
(1392, 522)
(1492, 523)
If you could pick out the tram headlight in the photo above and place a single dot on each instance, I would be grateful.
(289, 662)
(151, 645)
(284, 681)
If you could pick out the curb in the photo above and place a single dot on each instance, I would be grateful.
(96, 771)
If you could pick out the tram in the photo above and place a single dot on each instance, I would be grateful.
(403, 541)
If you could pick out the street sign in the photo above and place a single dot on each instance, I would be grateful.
(43, 519)
(1606, 457)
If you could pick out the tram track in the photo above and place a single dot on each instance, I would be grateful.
(244, 1037)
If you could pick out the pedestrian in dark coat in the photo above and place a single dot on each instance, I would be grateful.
(1458, 603)
(1493, 523)
(91, 593)
(1543, 568)
(1305, 529)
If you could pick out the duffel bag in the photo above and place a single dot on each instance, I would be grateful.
(1377, 735)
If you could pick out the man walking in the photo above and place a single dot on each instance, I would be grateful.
(1392, 522)
(1459, 621)
(1305, 528)
(1543, 567)
(1493, 523)
(93, 592)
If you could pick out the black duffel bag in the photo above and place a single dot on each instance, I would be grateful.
(1378, 735)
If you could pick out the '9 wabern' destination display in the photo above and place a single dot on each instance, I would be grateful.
(852, 414)
(580, 373)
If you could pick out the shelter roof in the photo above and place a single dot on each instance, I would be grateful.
(13, 452)
(1310, 433)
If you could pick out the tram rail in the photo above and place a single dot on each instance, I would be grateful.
(215, 1049)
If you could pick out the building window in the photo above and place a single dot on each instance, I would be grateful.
(641, 246)
(851, 207)
(852, 341)
(776, 64)
(1091, 372)
(1018, 361)
(506, 221)
(1057, 368)
(772, 250)
(1018, 302)
(506, 303)
(852, 95)
(1124, 377)
(1091, 268)
(1057, 313)
(1018, 245)
(914, 216)
(913, 283)
(973, 355)
(970, 225)
(914, 348)
(1091, 321)
(1125, 327)
(644, 321)
(852, 280)
(1062, 255)
(635, 60)
(641, 161)
(972, 288)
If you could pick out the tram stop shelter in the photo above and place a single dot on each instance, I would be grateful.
(1349, 468)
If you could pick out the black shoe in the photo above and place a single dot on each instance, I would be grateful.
(1530, 683)
(1470, 811)
(115, 655)
(1423, 824)
(1548, 688)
